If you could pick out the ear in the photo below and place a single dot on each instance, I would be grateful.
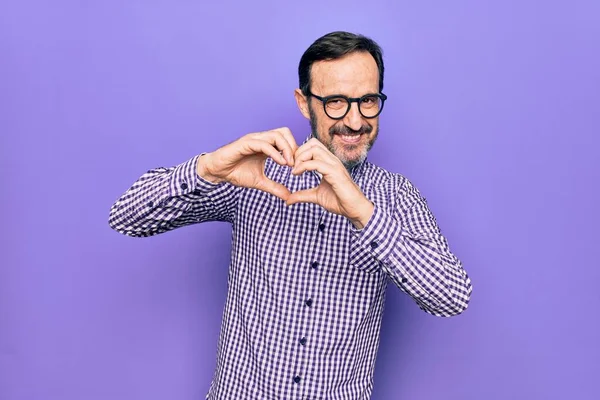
(302, 103)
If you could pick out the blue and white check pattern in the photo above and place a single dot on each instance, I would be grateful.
(306, 288)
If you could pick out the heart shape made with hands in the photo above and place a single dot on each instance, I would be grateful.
(311, 156)
(242, 164)
(337, 192)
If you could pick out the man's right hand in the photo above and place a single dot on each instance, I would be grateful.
(242, 163)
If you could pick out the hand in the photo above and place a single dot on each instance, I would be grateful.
(337, 193)
(242, 162)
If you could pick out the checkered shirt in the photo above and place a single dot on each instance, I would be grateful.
(306, 289)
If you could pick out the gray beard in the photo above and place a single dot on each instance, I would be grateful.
(348, 164)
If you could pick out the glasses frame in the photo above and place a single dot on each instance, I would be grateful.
(350, 100)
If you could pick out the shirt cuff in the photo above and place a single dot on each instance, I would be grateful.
(185, 180)
(379, 234)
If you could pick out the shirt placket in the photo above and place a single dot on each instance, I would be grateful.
(314, 264)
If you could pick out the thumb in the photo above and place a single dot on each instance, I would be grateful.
(274, 188)
(303, 196)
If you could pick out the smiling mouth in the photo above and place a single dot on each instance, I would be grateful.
(350, 139)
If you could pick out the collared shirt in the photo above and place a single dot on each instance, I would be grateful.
(306, 288)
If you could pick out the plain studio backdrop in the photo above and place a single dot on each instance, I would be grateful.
(493, 112)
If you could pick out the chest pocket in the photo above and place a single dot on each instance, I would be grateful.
(361, 258)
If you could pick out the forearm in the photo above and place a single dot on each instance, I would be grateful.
(163, 199)
(421, 265)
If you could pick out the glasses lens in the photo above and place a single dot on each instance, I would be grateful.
(370, 106)
(336, 107)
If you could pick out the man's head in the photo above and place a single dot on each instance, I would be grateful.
(342, 64)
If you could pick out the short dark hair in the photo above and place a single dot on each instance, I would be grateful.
(335, 45)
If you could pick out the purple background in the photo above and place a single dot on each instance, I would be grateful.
(493, 112)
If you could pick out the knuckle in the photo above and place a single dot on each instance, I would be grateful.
(275, 134)
(253, 135)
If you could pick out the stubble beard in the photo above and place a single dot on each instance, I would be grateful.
(348, 163)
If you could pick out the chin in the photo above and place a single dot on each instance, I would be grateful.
(353, 158)
(351, 151)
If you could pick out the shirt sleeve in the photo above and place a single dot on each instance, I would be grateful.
(164, 199)
(410, 248)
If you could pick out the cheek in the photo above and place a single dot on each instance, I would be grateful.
(328, 125)
(374, 125)
(324, 125)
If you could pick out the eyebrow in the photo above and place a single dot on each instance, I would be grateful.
(345, 95)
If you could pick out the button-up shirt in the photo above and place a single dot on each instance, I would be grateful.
(306, 288)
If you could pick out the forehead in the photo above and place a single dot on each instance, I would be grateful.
(352, 75)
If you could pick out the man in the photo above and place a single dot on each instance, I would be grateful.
(317, 233)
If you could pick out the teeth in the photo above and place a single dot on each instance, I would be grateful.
(351, 138)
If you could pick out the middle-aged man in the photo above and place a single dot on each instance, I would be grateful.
(317, 233)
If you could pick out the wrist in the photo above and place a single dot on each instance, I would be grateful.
(365, 214)
(203, 168)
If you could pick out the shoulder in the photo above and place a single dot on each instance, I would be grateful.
(393, 186)
(377, 176)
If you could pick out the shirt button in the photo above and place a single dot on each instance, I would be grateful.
(404, 280)
(315, 264)
(374, 245)
(297, 379)
(184, 186)
(303, 341)
(322, 227)
(308, 302)
(150, 204)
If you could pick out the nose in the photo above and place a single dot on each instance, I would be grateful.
(353, 119)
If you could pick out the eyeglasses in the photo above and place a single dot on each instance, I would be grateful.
(337, 106)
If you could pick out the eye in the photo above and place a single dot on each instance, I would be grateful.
(336, 102)
(369, 100)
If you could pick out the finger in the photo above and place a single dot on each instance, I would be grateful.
(311, 165)
(304, 152)
(311, 145)
(274, 188)
(255, 146)
(315, 153)
(287, 134)
(303, 196)
(277, 139)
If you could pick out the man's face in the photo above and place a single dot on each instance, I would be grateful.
(354, 75)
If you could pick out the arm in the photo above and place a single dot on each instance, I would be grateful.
(204, 188)
(406, 241)
(164, 199)
(415, 255)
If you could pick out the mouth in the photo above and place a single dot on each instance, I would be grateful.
(349, 139)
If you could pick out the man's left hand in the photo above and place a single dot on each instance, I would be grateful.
(337, 193)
